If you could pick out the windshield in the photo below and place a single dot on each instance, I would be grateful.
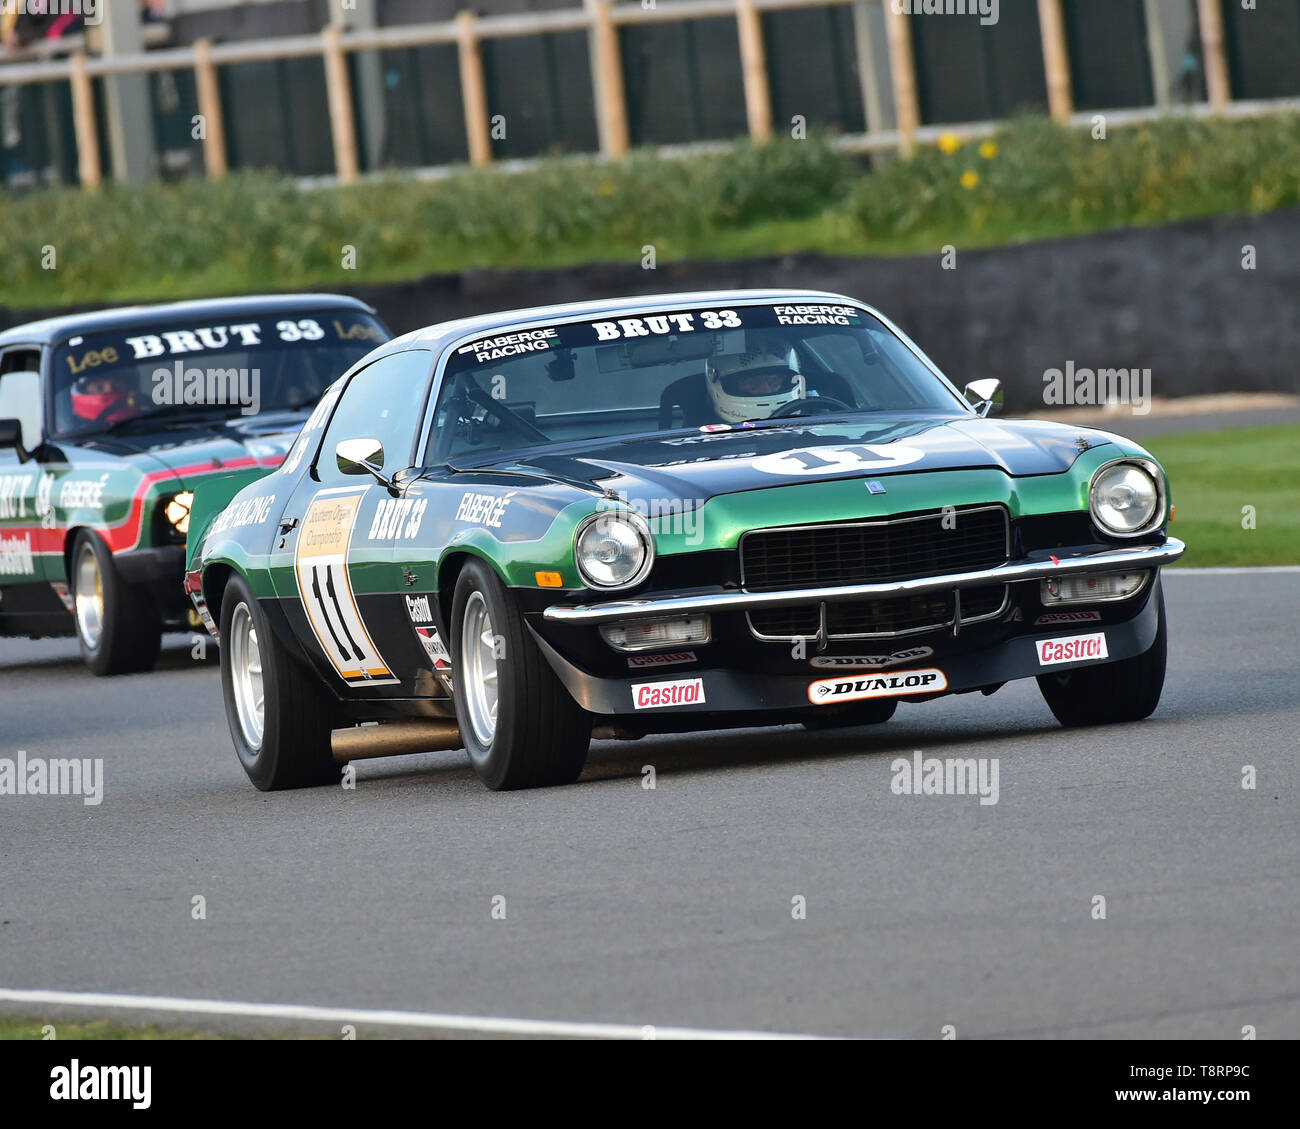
(711, 369)
(209, 370)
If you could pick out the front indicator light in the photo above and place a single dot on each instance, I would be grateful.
(1091, 588)
(178, 511)
(549, 579)
(656, 634)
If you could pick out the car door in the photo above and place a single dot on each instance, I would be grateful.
(26, 600)
(334, 564)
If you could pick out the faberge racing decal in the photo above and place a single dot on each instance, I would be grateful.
(321, 565)
(661, 695)
(870, 662)
(1072, 649)
(833, 691)
(483, 509)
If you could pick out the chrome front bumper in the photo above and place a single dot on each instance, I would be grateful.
(1112, 560)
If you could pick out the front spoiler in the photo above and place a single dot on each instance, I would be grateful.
(1038, 567)
(735, 692)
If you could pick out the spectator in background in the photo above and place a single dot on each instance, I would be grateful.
(21, 25)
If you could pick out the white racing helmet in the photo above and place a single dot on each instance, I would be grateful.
(753, 384)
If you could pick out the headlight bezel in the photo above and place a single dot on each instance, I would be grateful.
(642, 529)
(1158, 515)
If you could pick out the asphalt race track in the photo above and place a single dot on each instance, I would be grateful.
(674, 906)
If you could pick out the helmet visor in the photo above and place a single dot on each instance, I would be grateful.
(757, 383)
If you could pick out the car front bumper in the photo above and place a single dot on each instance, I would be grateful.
(1039, 566)
(734, 696)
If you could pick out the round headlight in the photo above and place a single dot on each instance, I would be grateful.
(178, 511)
(613, 550)
(1126, 498)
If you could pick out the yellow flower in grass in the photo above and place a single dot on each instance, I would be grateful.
(949, 143)
(970, 178)
(606, 188)
(989, 150)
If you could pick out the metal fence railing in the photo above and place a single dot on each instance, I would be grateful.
(604, 22)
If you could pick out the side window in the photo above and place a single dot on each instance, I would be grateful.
(384, 401)
(20, 392)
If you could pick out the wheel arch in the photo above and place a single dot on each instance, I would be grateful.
(449, 570)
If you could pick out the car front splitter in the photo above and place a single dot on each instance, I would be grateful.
(718, 690)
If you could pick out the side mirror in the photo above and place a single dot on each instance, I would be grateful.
(11, 438)
(359, 456)
(985, 396)
(364, 456)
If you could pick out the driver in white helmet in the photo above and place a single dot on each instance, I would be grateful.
(754, 384)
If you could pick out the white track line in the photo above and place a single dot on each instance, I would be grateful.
(486, 1025)
(1243, 571)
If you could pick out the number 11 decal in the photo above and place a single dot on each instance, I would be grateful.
(321, 565)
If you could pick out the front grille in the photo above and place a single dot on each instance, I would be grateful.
(860, 619)
(828, 556)
(831, 556)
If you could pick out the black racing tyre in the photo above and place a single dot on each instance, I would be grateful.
(520, 726)
(1128, 690)
(874, 712)
(117, 624)
(279, 712)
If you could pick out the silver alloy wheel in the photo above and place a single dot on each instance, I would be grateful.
(478, 678)
(88, 593)
(246, 677)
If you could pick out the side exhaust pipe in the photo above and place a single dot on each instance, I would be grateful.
(395, 739)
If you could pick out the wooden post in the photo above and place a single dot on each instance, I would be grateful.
(611, 98)
(1218, 84)
(868, 80)
(473, 91)
(83, 120)
(339, 90)
(209, 96)
(1056, 59)
(753, 60)
(902, 73)
(1156, 52)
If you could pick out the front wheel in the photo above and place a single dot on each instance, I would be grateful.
(1128, 690)
(118, 626)
(280, 715)
(519, 724)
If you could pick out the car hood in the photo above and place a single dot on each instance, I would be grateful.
(702, 465)
(258, 441)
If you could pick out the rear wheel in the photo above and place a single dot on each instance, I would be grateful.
(1128, 690)
(521, 727)
(280, 715)
(118, 626)
(875, 712)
